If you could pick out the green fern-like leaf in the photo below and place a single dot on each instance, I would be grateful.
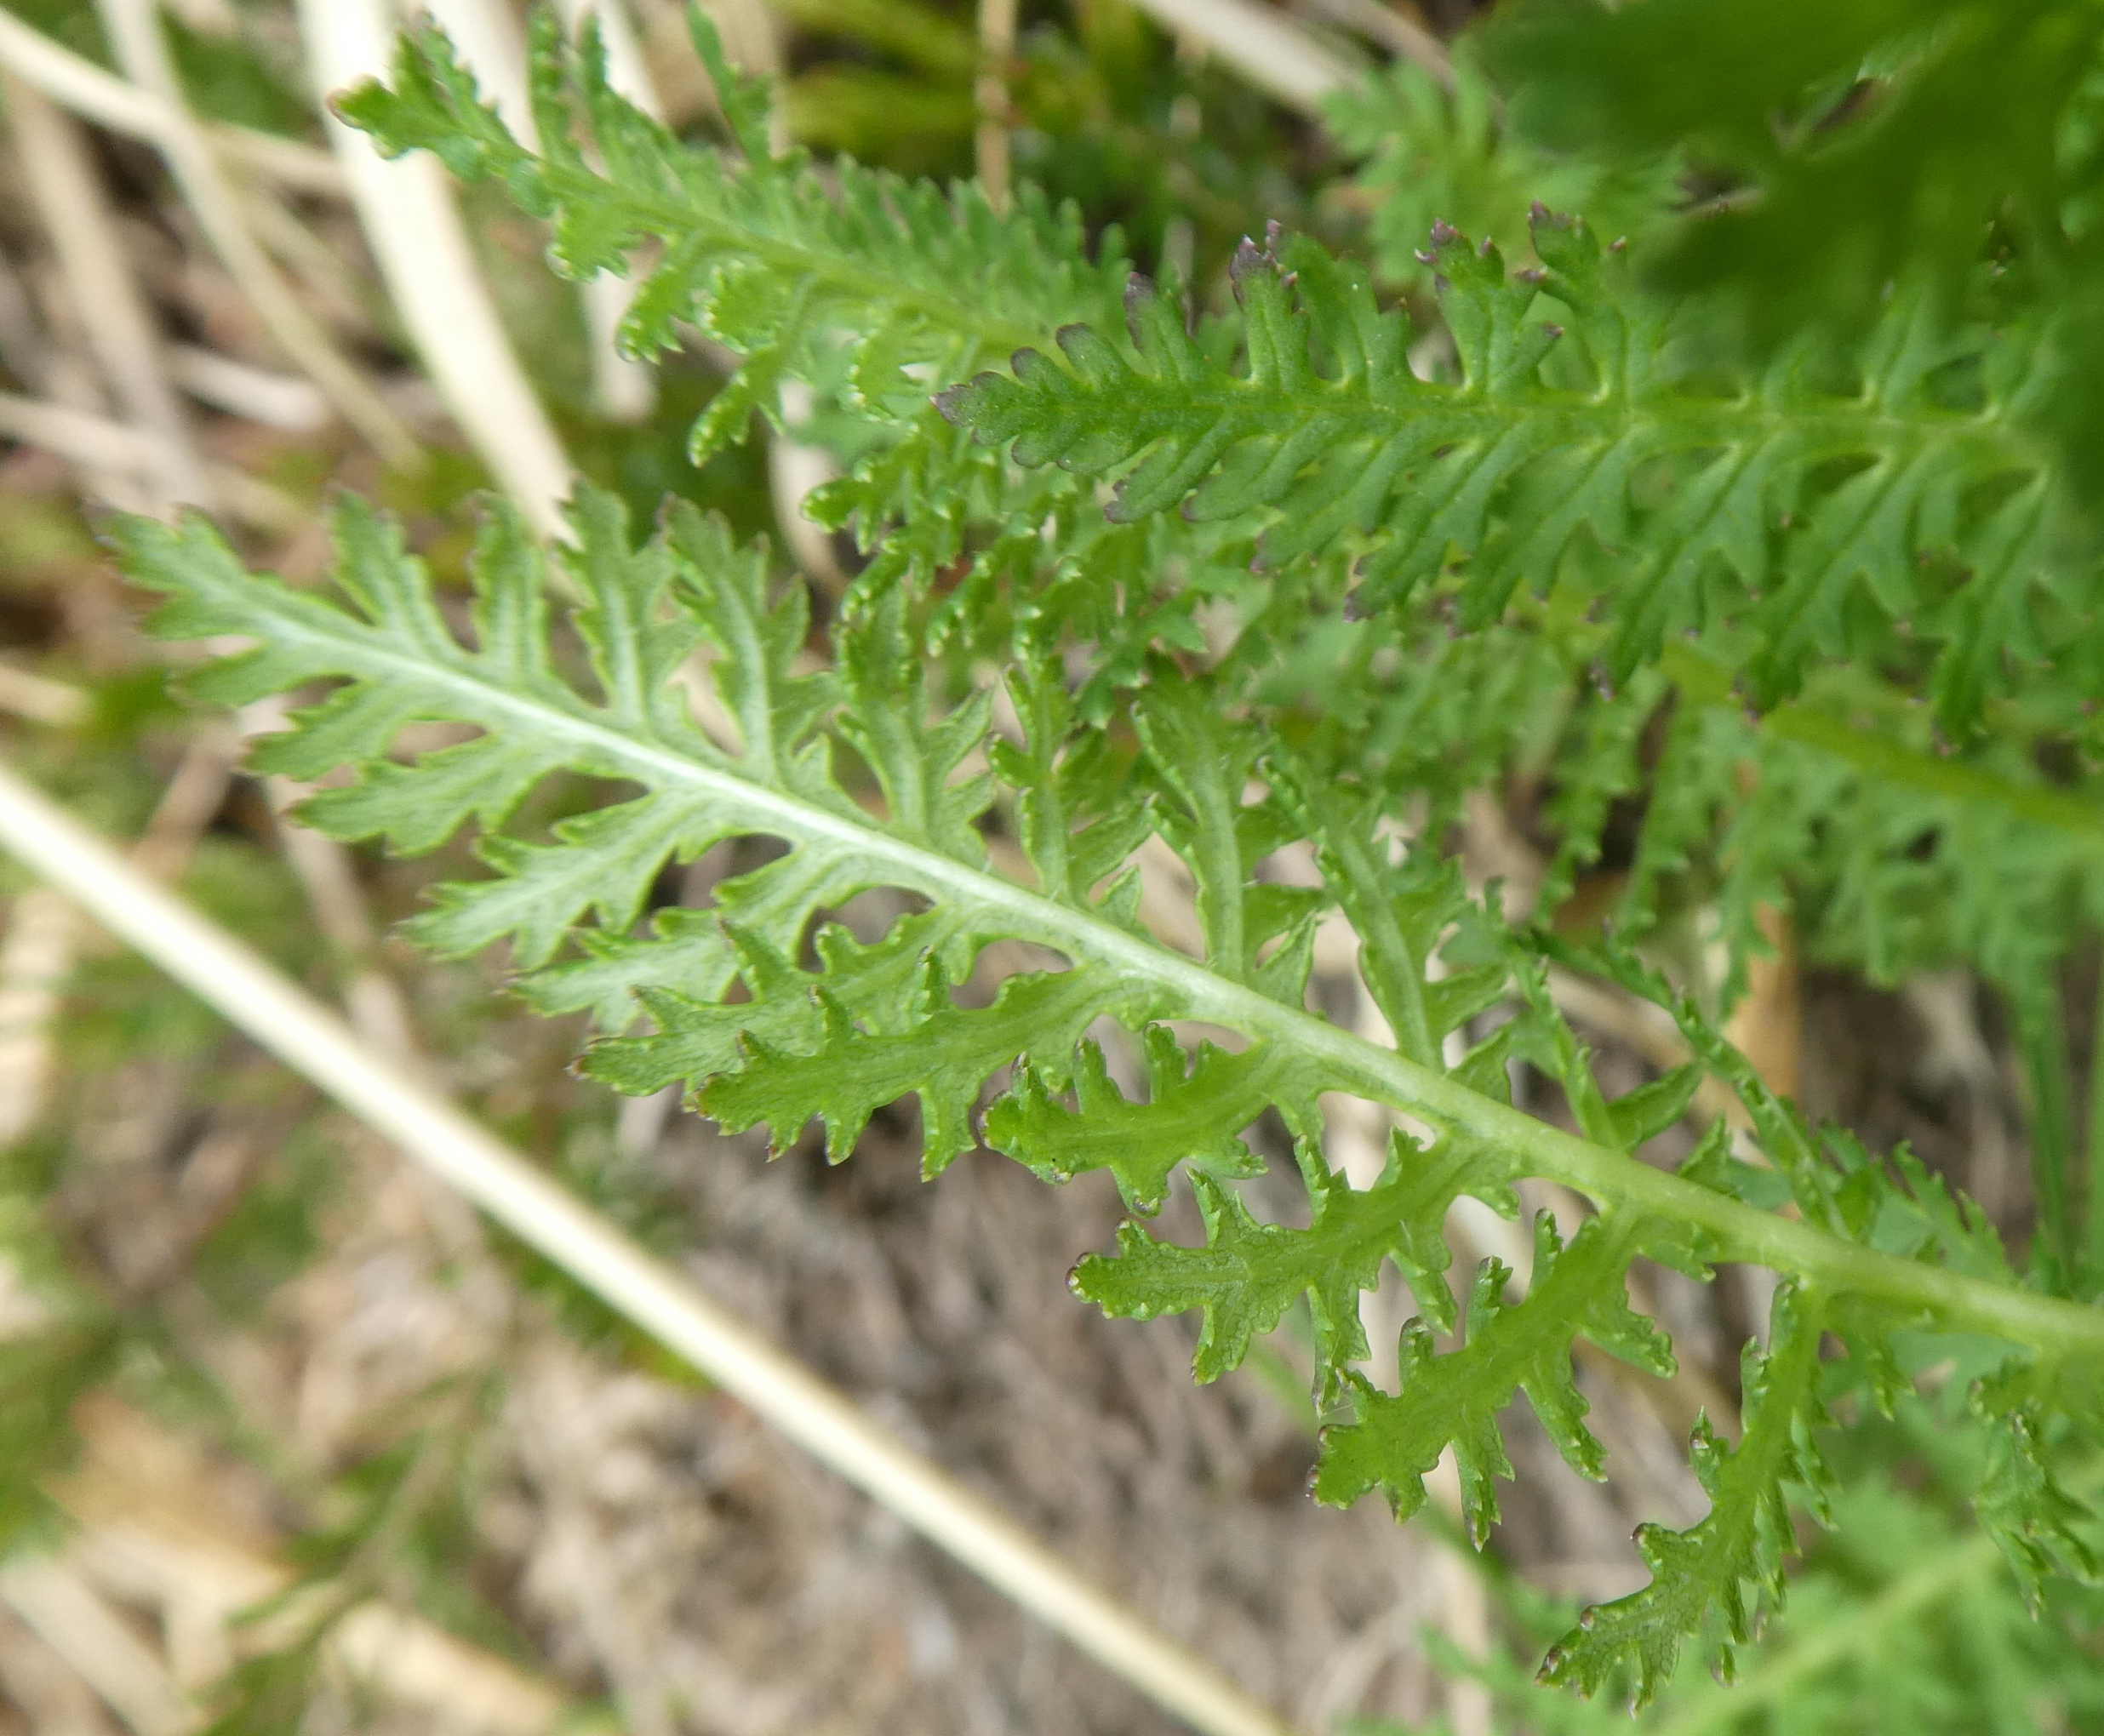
(1699, 1576)
(1248, 1274)
(874, 279)
(1509, 1345)
(1792, 507)
(1433, 148)
(871, 780)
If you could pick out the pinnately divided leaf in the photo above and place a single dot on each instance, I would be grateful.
(1509, 1345)
(1699, 1576)
(1008, 996)
(865, 277)
(1796, 503)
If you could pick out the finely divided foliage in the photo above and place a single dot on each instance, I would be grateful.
(917, 1011)
(860, 282)
(1595, 425)
(1783, 514)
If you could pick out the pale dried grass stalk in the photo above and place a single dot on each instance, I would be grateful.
(99, 443)
(990, 94)
(38, 698)
(135, 33)
(406, 208)
(291, 1024)
(487, 36)
(1266, 47)
(36, 958)
(1399, 28)
(102, 97)
(74, 1620)
(68, 197)
(152, 1530)
(281, 401)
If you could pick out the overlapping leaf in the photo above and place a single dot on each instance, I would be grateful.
(1434, 147)
(863, 276)
(1797, 505)
(1864, 140)
(1395, 1439)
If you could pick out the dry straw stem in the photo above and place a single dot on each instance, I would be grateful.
(153, 1531)
(406, 208)
(77, 1623)
(121, 331)
(38, 698)
(285, 1020)
(1275, 54)
(114, 315)
(99, 290)
(99, 96)
(1406, 36)
(35, 959)
(990, 94)
(486, 35)
(281, 401)
(96, 442)
(624, 389)
(135, 33)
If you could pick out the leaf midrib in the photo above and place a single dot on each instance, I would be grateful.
(1694, 423)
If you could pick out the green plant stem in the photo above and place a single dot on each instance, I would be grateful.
(2093, 1199)
(2042, 1043)
(1707, 682)
(1896, 764)
(1607, 1177)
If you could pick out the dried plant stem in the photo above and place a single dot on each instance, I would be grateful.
(76, 1622)
(100, 292)
(997, 45)
(96, 442)
(38, 698)
(281, 401)
(120, 329)
(285, 1020)
(36, 958)
(486, 35)
(415, 230)
(85, 256)
(1266, 47)
(151, 1531)
(1394, 29)
(68, 196)
(135, 33)
(109, 101)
